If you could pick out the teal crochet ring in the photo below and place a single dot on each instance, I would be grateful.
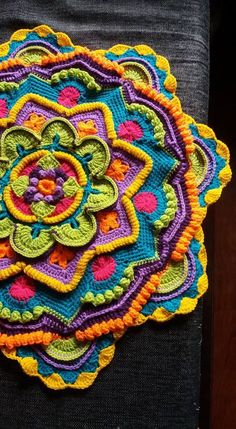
(104, 184)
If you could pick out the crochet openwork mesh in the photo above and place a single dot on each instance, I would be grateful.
(104, 184)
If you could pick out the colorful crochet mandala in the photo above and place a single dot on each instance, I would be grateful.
(104, 184)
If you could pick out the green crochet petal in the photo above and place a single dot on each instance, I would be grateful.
(14, 139)
(42, 209)
(20, 185)
(59, 129)
(99, 151)
(70, 187)
(48, 161)
(136, 72)
(199, 164)
(6, 226)
(174, 276)
(79, 236)
(66, 349)
(4, 164)
(106, 194)
(23, 243)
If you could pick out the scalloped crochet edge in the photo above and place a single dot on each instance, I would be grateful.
(55, 381)
(41, 30)
(162, 63)
(225, 174)
(187, 305)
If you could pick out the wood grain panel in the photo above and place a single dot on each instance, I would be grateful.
(223, 287)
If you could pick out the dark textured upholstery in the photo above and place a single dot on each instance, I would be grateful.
(153, 381)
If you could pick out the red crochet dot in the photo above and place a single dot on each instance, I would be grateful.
(103, 267)
(22, 289)
(69, 96)
(130, 130)
(145, 202)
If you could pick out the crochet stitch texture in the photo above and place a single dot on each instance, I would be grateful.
(104, 184)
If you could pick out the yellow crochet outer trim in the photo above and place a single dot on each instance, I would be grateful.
(54, 381)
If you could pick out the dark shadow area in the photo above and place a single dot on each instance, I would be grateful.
(218, 377)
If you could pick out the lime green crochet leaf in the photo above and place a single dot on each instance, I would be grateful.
(99, 151)
(42, 209)
(59, 129)
(105, 194)
(20, 185)
(199, 164)
(70, 187)
(174, 276)
(67, 235)
(48, 161)
(136, 72)
(32, 55)
(17, 138)
(6, 226)
(66, 349)
(23, 243)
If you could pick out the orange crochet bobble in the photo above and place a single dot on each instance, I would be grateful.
(61, 256)
(5, 249)
(86, 128)
(108, 221)
(117, 170)
(35, 122)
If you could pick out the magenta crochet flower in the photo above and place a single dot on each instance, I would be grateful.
(130, 131)
(69, 96)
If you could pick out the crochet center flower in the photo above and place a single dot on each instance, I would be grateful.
(49, 188)
(104, 184)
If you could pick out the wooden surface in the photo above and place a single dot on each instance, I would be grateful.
(224, 312)
(222, 117)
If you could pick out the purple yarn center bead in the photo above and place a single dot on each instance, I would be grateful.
(33, 194)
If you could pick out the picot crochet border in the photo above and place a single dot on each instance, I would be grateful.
(104, 184)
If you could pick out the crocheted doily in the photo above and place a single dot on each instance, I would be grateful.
(104, 184)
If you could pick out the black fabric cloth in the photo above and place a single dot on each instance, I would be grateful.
(153, 381)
